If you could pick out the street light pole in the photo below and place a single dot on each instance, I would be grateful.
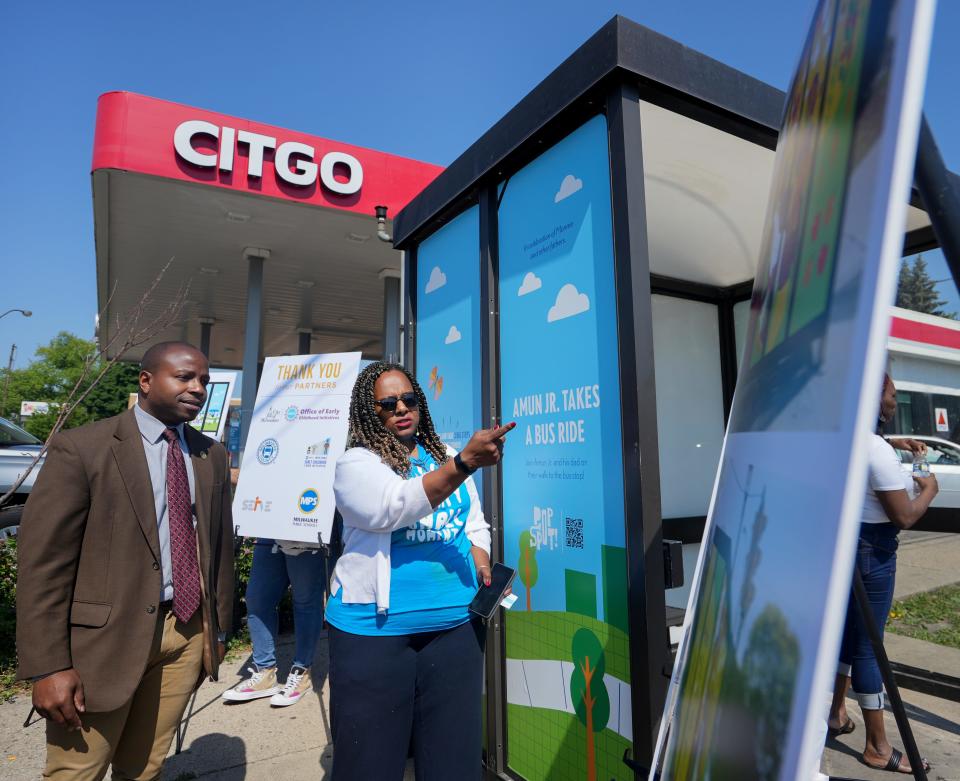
(24, 312)
(6, 379)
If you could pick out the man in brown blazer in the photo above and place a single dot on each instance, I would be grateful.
(125, 575)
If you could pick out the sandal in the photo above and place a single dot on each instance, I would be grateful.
(893, 764)
(846, 729)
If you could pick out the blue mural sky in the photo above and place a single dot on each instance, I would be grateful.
(556, 305)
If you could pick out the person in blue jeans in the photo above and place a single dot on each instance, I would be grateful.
(892, 503)
(277, 564)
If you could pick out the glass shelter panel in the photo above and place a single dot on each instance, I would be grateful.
(448, 327)
(689, 403)
(566, 638)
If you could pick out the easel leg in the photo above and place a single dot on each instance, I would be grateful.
(182, 726)
(896, 704)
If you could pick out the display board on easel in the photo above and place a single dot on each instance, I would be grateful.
(759, 653)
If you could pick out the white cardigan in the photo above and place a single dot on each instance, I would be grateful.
(374, 502)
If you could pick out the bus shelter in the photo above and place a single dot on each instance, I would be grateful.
(585, 269)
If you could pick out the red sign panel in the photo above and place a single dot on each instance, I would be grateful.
(927, 333)
(150, 136)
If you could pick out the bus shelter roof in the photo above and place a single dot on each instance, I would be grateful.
(708, 138)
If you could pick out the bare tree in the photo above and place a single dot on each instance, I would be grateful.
(136, 327)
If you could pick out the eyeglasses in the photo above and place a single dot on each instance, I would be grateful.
(389, 403)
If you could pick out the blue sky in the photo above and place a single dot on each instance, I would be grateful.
(422, 79)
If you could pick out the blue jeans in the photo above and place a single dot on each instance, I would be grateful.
(269, 578)
(877, 564)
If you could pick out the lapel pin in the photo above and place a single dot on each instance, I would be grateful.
(203, 454)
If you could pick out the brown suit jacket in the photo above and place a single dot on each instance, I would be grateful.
(88, 570)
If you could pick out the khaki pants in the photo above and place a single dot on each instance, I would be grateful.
(136, 737)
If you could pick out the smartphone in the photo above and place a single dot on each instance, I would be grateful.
(488, 597)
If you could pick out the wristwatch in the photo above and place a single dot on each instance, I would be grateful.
(458, 462)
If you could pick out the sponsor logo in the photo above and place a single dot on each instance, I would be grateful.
(294, 412)
(543, 532)
(316, 455)
(268, 451)
(272, 415)
(308, 501)
(256, 505)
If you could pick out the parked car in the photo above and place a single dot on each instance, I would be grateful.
(944, 459)
(18, 448)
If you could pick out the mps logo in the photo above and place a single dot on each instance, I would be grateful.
(309, 500)
(268, 451)
(291, 413)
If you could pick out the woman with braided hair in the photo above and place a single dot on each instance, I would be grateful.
(406, 660)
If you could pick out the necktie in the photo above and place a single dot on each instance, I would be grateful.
(183, 537)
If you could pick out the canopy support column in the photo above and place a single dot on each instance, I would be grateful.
(253, 337)
(391, 314)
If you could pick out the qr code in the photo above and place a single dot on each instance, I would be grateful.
(574, 532)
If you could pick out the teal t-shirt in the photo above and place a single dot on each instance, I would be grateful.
(432, 574)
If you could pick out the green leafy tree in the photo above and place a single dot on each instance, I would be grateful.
(588, 691)
(917, 290)
(528, 563)
(88, 365)
(53, 375)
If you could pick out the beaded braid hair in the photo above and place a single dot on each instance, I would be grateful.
(367, 430)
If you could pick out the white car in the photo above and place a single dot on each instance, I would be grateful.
(18, 448)
(944, 459)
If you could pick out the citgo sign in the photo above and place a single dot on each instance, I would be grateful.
(293, 161)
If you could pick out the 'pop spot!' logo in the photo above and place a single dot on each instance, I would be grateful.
(309, 500)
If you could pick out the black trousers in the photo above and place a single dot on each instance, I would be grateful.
(389, 692)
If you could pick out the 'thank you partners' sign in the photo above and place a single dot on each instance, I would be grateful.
(298, 431)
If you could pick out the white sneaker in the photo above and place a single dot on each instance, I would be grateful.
(262, 683)
(298, 684)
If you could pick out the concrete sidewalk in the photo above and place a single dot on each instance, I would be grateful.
(925, 561)
(225, 742)
(935, 722)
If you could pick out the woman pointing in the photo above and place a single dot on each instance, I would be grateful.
(406, 659)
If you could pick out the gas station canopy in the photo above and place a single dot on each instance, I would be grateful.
(208, 192)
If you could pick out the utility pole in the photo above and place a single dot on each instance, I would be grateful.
(6, 379)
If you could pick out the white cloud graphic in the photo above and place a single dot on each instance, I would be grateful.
(453, 335)
(530, 283)
(437, 280)
(568, 187)
(570, 302)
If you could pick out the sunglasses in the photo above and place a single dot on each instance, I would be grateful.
(389, 403)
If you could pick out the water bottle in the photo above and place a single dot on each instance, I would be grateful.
(921, 468)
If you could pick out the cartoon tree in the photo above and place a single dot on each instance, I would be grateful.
(589, 693)
(528, 563)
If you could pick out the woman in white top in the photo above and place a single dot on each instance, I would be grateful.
(892, 503)
(406, 660)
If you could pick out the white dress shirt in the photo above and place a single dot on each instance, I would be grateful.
(155, 449)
